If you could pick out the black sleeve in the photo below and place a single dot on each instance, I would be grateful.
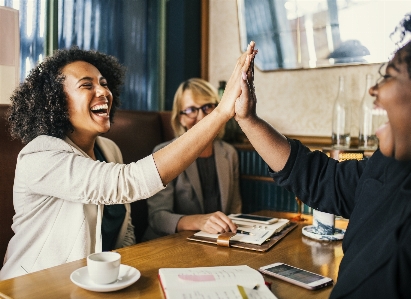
(319, 181)
(404, 258)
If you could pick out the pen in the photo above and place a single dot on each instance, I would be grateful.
(245, 232)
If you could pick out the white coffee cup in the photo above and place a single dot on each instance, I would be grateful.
(324, 222)
(103, 267)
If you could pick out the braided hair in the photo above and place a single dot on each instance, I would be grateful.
(39, 105)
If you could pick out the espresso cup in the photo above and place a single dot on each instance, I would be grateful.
(103, 267)
(324, 223)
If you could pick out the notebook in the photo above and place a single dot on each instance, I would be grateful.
(249, 236)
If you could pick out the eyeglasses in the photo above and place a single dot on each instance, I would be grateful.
(192, 112)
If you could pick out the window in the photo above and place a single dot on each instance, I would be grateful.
(318, 33)
(32, 19)
(130, 30)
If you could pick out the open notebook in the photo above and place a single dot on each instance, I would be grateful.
(259, 237)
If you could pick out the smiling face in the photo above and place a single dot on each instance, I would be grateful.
(88, 99)
(190, 99)
(394, 95)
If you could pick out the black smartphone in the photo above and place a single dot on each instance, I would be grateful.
(254, 218)
(297, 276)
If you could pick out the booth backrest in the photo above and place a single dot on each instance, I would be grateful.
(135, 132)
(9, 150)
(138, 132)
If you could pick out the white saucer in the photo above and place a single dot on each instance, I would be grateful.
(311, 232)
(127, 276)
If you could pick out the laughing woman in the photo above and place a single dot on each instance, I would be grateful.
(374, 194)
(67, 175)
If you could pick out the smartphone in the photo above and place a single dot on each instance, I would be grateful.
(297, 276)
(254, 218)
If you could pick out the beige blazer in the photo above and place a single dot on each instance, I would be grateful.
(59, 194)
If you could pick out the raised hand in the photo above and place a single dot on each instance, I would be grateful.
(271, 145)
(233, 88)
(245, 105)
(250, 72)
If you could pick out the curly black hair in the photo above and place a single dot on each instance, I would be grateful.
(39, 106)
(403, 29)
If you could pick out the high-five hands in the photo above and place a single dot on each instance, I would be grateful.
(245, 105)
(270, 144)
(233, 88)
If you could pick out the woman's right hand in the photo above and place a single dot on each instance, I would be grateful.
(233, 88)
(213, 223)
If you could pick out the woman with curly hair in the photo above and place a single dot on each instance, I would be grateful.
(201, 196)
(71, 191)
(374, 194)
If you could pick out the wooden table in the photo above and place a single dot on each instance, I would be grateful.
(175, 251)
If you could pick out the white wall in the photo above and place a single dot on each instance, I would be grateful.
(9, 52)
(297, 102)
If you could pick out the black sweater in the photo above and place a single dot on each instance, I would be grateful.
(375, 194)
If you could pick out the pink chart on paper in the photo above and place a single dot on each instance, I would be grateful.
(190, 277)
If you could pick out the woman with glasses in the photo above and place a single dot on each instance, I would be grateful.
(201, 196)
(374, 194)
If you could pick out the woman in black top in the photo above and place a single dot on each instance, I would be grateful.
(375, 194)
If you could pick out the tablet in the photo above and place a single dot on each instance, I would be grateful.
(254, 218)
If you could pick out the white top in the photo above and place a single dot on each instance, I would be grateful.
(59, 194)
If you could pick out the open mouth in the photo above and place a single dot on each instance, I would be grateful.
(381, 119)
(100, 110)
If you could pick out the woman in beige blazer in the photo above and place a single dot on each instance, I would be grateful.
(67, 173)
(201, 196)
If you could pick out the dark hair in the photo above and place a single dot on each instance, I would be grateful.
(39, 106)
(403, 29)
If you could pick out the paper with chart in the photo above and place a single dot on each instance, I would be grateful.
(223, 282)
